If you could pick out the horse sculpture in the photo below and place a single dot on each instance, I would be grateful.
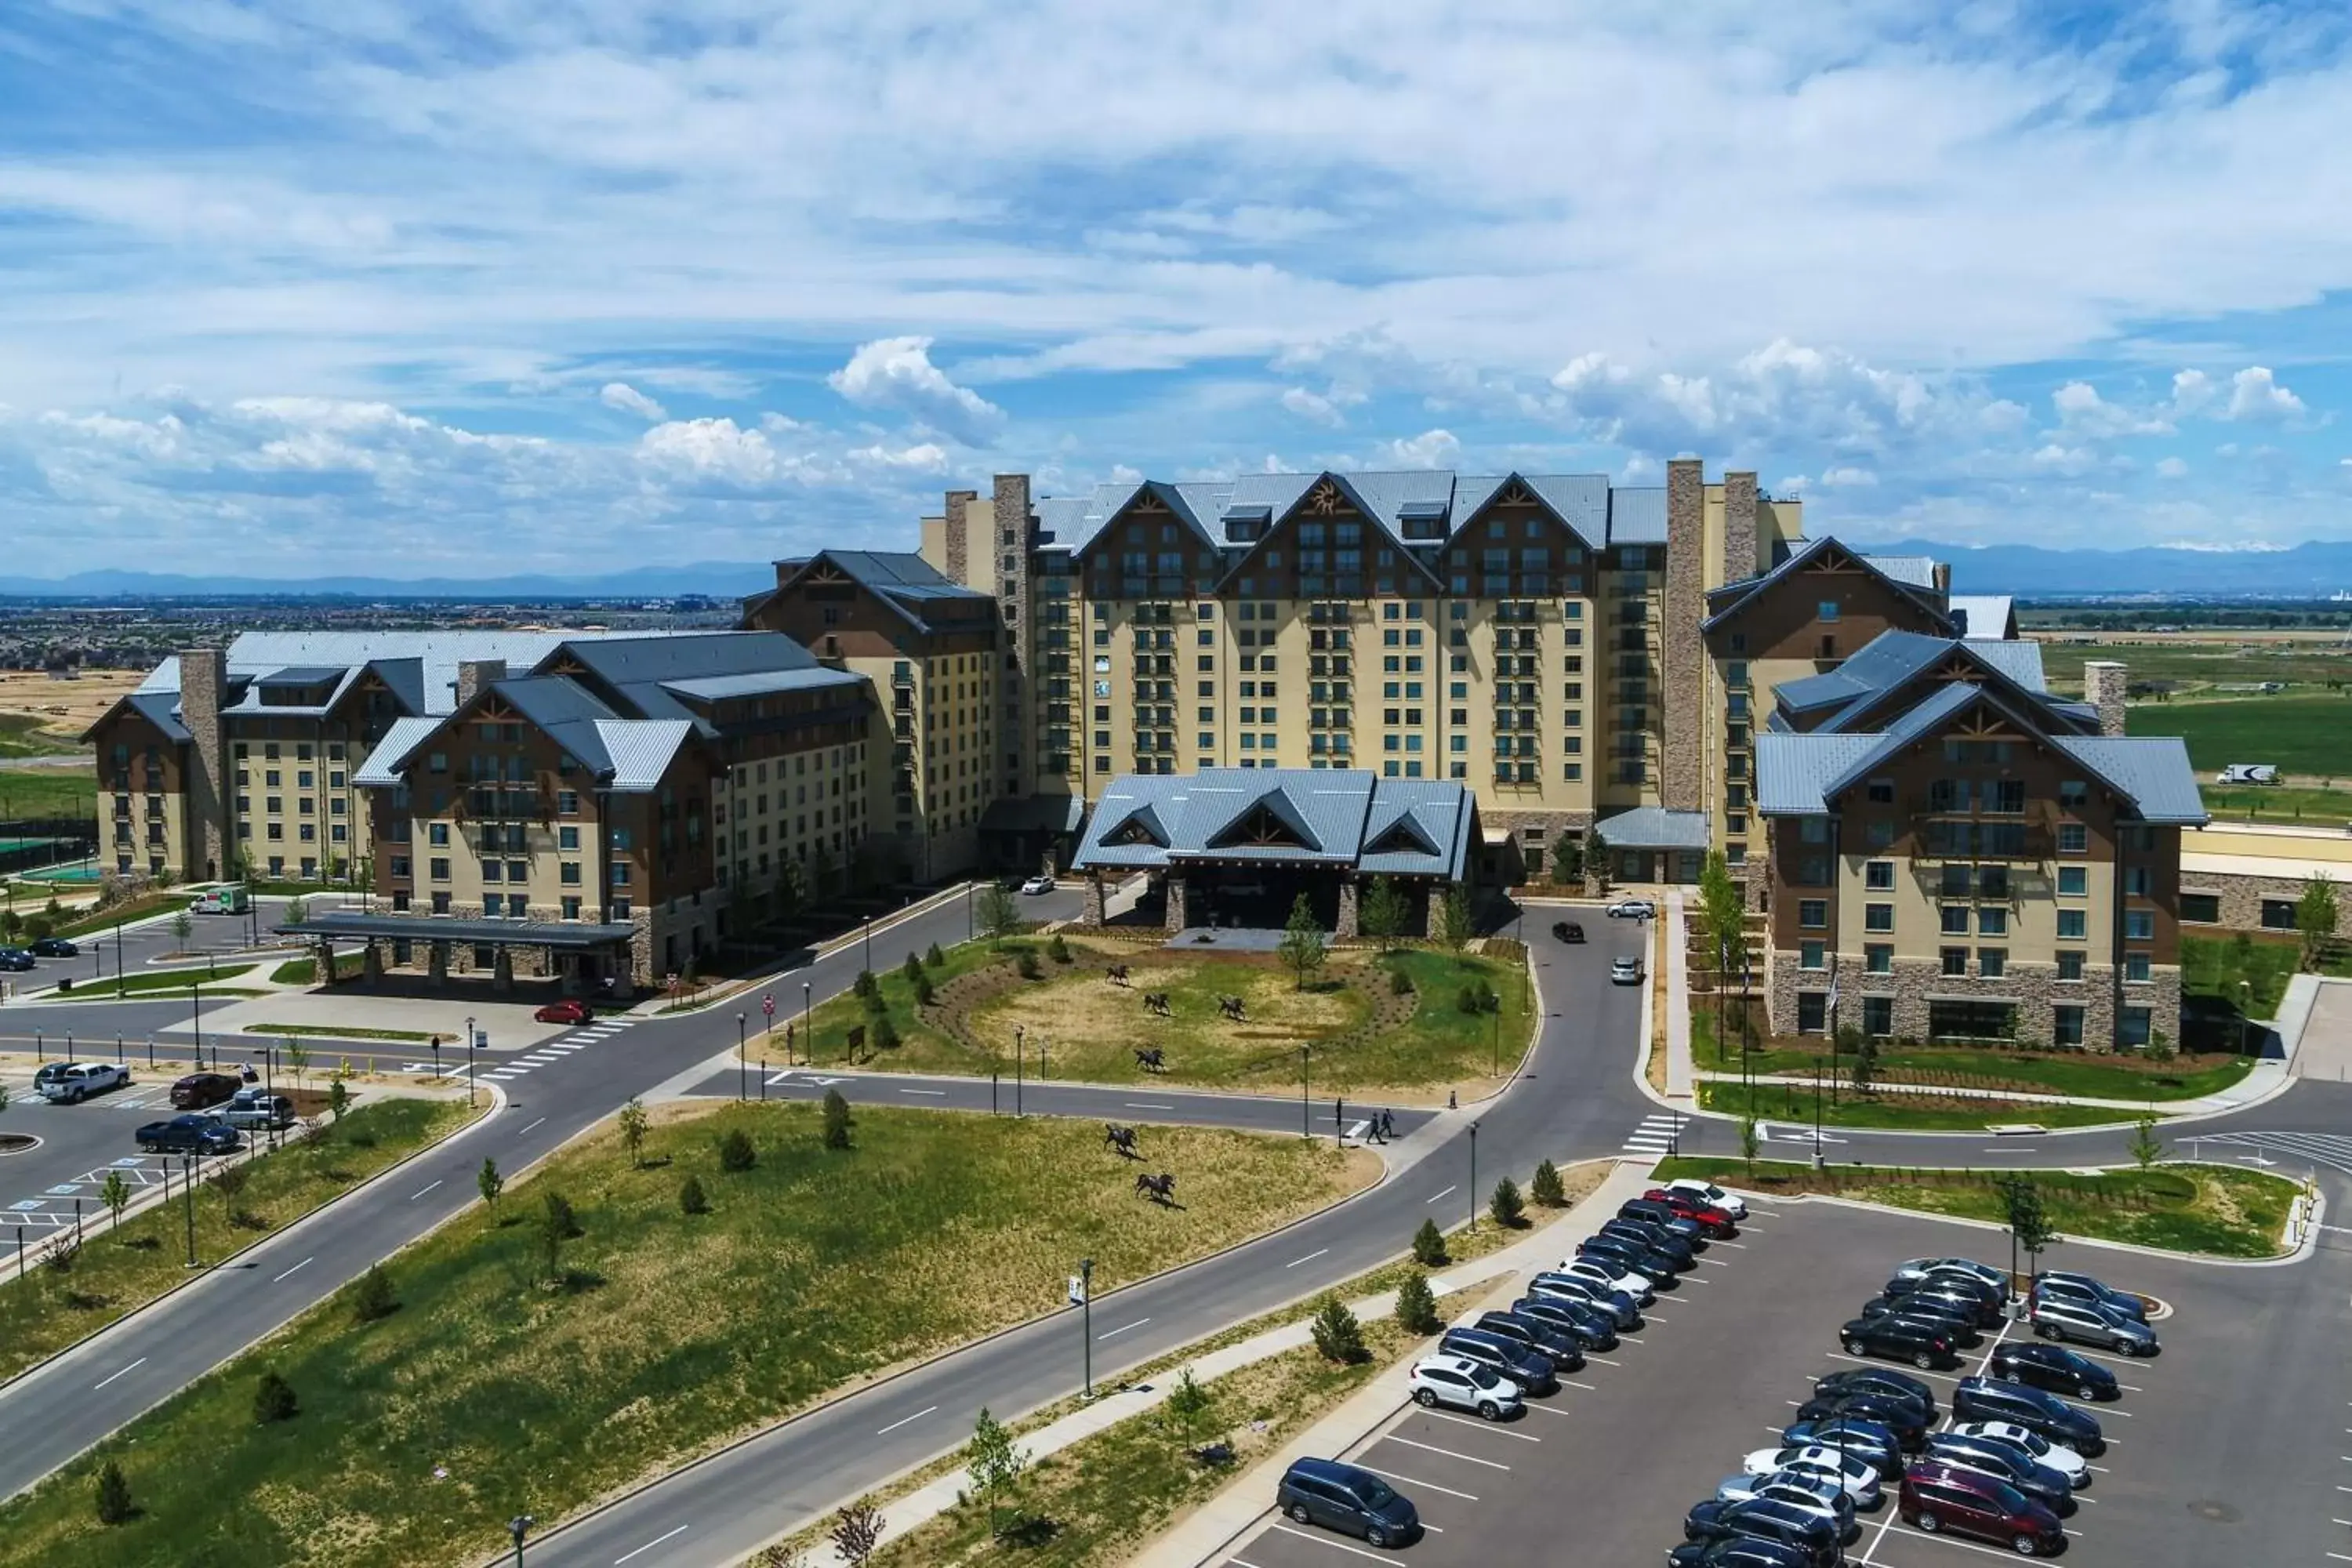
(1121, 1139)
(1151, 1059)
(1116, 975)
(1156, 1002)
(1159, 1189)
(1231, 1007)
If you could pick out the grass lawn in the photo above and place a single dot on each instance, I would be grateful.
(138, 908)
(305, 971)
(337, 1032)
(2223, 1210)
(2276, 803)
(2218, 658)
(119, 1270)
(670, 1332)
(1791, 1101)
(2217, 966)
(163, 981)
(2305, 735)
(50, 793)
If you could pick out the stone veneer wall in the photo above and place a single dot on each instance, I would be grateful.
(1739, 525)
(204, 788)
(2035, 988)
(1680, 653)
(2241, 901)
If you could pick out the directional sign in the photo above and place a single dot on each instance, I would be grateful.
(768, 1006)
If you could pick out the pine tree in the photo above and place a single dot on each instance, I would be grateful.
(273, 1400)
(1338, 1335)
(1416, 1309)
(1546, 1187)
(1429, 1245)
(837, 1120)
(114, 1495)
(691, 1198)
(373, 1298)
(1506, 1204)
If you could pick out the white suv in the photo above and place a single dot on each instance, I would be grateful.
(69, 1083)
(1601, 1272)
(1731, 1203)
(1460, 1381)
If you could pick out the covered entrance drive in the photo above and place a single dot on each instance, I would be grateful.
(1651, 844)
(1238, 846)
(579, 957)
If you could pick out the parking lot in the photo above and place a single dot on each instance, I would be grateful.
(2233, 1446)
(79, 1144)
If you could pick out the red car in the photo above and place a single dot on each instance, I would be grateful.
(1710, 1220)
(1965, 1502)
(566, 1012)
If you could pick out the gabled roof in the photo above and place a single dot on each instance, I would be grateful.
(900, 579)
(1656, 827)
(1912, 571)
(1858, 690)
(1985, 617)
(161, 708)
(1729, 600)
(1339, 818)
(640, 677)
(2151, 771)
(1637, 514)
(388, 763)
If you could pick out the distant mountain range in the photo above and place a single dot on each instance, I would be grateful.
(2027, 571)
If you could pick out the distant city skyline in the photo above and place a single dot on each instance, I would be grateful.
(296, 293)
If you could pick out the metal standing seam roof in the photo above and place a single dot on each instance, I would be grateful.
(1983, 617)
(1912, 571)
(640, 749)
(720, 687)
(1728, 599)
(1655, 827)
(1637, 514)
(388, 762)
(1337, 814)
(2152, 771)
(1793, 772)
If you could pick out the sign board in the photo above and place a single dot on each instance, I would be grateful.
(857, 1036)
(1078, 1292)
(768, 1006)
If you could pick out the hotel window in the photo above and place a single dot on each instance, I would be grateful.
(1992, 921)
(2132, 1029)
(1878, 1016)
(2202, 909)
(1812, 1012)
(2073, 924)
(2070, 965)
(2135, 966)
(2073, 881)
(2073, 838)
(2139, 925)
(1878, 874)
(1878, 917)
(2073, 794)
(441, 903)
(572, 909)
(1992, 963)
(1955, 917)
(1878, 958)
(1813, 914)
(2066, 1024)
(1956, 960)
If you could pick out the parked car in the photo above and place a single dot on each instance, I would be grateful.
(1873, 1442)
(256, 1109)
(1567, 931)
(568, 1011)
(1920, 1267)
(1655, 1238)
(1709, 1193)
(1953, 1293)
(1653, 1212)
(1736, 1552)
(2057, 1456)
(1991, 1399)
(190, 1134)
(1464, 1384)
(1350, 1501)
(1559, 1345)
(16, 958)
(1956, 1317)
(1620, 1305)
(1624, 972)
(1040, 883)
(1900, 1339)
(1615, 1251)
(1595, 1327)
(2082, 1289)
(199, 1090)
(1991, 1456)
(55, 947)
(2057, 1368)
(1633, 909)
(1815, 1537)
(1524, 1365)
(1938, 1498)
(70, 1083)
(2065, 1321)
(1608, 1272)
(1717, 1223)
(1851, 1469)
(1880, 1379)
(1898, 1416)
(1805, 1492)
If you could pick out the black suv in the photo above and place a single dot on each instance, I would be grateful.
(1594, 1329)
(1652, 1211)
(1921, 1343)
(1883, 1379)
(1954, 1286)
(2056, 1368)
(1657, 1239)
(1739, 1552)
(1989, 1399)
(1558, 1345)
(1523, 1364)
(1634, 1255)
(1813, 1535)
(1958, 1316)
(1901, 1417)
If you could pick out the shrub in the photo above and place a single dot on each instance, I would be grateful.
(1028, 967)
(114, 1495)
(373, 1298)
(735, 1152)
(556, 1216)
(1399, 983)
(1416, 1309)
(1428, 1245)
(691, 1198)
(1476, 996)
(1188, 1398)
(1547, 1189)
(864, 986)
(925, 994)
(912, 969)
(837, 1120)
(934, 957)
(885, 1033)
(1509, 1208)
(1338, 1335)
(1057, 950)
(273, 1400)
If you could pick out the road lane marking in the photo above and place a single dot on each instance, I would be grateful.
(650, 1546)
(112, 1375)
(918, 1415)
(1123, 1328)
(1417, 1481)
(1308, 1259)
(423, 1190)
(1434, 1197)
(291, 1272)
(526, 1131)
(1146, 1105)
(929, 1091)
(1434, 1448)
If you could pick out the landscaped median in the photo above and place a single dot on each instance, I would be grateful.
(2225, 1211)
(209, 982)
(1414, 1018)
(538, 1359)
(1792, 1100)
(121, 1268)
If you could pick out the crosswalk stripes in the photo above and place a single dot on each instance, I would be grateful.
(543, 1055)
(1657, 1134)
(2333, 1150)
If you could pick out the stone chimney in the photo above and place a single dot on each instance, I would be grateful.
(1682, 655)
(1943, 578)
(2103, 684)
(203, 682)
(474, 674)
(959, 536)
(1739, 525)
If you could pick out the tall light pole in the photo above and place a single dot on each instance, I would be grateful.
(1086, 1319)
(188, 1164)
(196, 1012)
(120, 991)
(520, 1526)
(869, 944)
(743, 1063)
(1474, 1175)
(807, 1032)
(470, 1059)
(1017, 1032)
(1306, 1126)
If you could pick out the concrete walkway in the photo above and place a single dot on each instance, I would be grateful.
(1680, 1080)
(2266, 1079)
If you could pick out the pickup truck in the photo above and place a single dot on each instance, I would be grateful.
(193, 1133)
(256, 1110)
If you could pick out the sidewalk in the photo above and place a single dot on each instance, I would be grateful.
(1679, 1077)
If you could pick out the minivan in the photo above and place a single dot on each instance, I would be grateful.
(1349, 1499)
(1938, 1498)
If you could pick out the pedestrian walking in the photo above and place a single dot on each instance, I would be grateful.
(1388, 1126)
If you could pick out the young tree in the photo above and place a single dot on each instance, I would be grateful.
(2029, 1222)
(1382, 914)
(1866, 1063)
(856, 1532)
(2146, 1148)
(297, 911)
(229, 1183)
(736, 1154)
(114, 1495)
(274, 1400)
(1596, 861)
(1429, 1245)
(556, 1226)
(1749, 1139)
(489, 1184)
(1506, 1204)
(691, 1198)
(1545, 1188)
(297, 1059)
(373, 1297)
(1303, 948)
(997, 914)
(115, 1194)
(995, 1463)
(912, 970)
(933, 958)
(1416, 1309)
(183, 927)
(837, 1120)
(632, 1122)
(1338, 1335)
(1453, 927)
(2315, 917)
(339, 1097)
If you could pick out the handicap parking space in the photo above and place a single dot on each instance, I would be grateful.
(2234, 1446)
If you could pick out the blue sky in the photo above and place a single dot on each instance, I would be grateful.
(421, 289)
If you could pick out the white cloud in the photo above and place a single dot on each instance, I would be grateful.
(2171, 469)
(2255, 394)
(897, 374)
(620, 395)
(1429, 449)
(1312, 405)
(923, 457)
(2083, 413)
(1848, 478)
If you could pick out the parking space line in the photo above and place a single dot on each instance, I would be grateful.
(1482, 1426)
(1416, 1480)
(1604, 1361)
(1434, 1448)
(1337, 1545)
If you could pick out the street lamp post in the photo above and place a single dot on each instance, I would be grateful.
(188, 1164)
(520, 1526)
(1474, 1175)
(1306, 1126)
(807, 1033)
(1086, 1319)
(196, 1012)
(1017, 1032)
(869, 944)
(436, 1059)
(469, 1058)
(119, 989)
(743, 1063)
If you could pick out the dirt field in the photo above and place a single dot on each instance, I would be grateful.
(65, 708)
